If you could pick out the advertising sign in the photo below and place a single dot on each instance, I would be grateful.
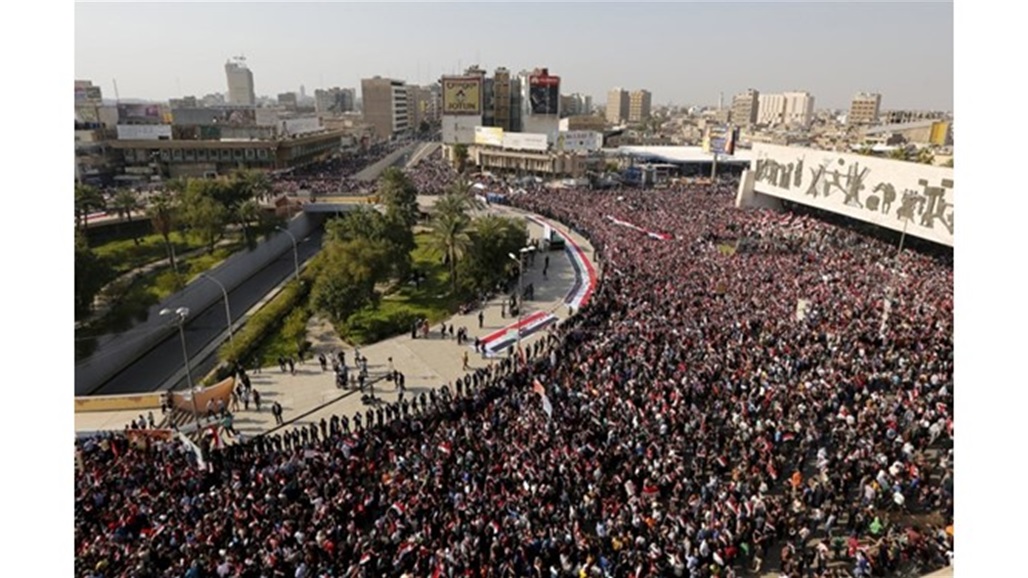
(720, 140)
(899, 195)
(579, 141)
(544, 94)
(524, 141)
(139, 113)
(462, 95)
(144, 132)
(489, 135)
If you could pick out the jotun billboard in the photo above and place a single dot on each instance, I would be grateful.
(462, 95)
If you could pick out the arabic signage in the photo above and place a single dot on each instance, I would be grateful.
(462, 95)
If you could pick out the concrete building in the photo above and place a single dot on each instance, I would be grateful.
(385, 106)
(334, 100)
(745, 106)
(864, 109)
(550, 163)
(639, 105)
(770, 109)
(583, 122)
(502, 93)
(288, 100)
(240, 83)
(788, 108)
(539, 103)
(799, 109)
(575, 104)
(924, 132)
(617, 105)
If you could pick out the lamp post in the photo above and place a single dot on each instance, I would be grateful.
(228, 312)
(180, 319)
(296, 257)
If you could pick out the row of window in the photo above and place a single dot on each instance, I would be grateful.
(193, 155)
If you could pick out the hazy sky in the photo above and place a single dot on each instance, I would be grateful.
(683, 53)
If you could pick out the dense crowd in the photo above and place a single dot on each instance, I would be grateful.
(336, 176)
(432, 175)
(757, 392)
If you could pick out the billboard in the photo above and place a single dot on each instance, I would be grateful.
(460, 129)
(214, 116)
(579, 141)
(544, 94)
(720, 140)
(144, 132)
(462, 95)
(298, 126)
(524, 141)
(88, 95)
(898, 195)
(489, 135)
(139, 113)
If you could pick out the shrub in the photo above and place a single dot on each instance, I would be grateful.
(370, 325)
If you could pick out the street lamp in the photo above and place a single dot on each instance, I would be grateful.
(180, 319)
(296, 257)
(228, 312)
(520, 298)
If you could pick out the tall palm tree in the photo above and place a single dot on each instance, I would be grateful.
(125, 202)
(163, 215)
(248, 213)
(450, 232)
(87, 199)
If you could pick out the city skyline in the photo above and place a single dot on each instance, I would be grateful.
(767, 46)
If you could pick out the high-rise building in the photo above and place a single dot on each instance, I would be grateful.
(617, 105)
(334, 100)
(575, 105)
(744, 107)
(770, 109)
(385, 106)
(787, 108)
(865, 108)
(639, 105)
(287, 100)
(799, 108)
(240, 82)
(502, 100)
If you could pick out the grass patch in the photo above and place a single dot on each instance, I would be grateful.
(124, 255)
(135, 297)
(726, 249)
(397, 310)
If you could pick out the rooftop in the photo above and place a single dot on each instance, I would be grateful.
(683, 154)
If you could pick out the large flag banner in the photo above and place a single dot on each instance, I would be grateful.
(651, 234)
(585, 273)
(496, 343)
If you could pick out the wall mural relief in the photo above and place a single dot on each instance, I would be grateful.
(895, 194)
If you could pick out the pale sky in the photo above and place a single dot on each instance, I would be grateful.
(684, 53)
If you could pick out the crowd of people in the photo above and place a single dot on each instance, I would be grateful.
(753, 392)
(432, 175)
(336, 176)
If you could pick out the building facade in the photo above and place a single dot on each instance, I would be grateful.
(502, 100)
(864, 109)
(617, 105)
(745, 107)
(385, 106)
(334, 100)
(639, 102)
(799, 109)
(240, 83)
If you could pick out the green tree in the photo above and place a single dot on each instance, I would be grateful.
(90, 271)
(492, 239)
(449, 236)
(88, 199)
(249, 214)
(126, 201)
(925, 157)
(366, 223)
(164, 215)
(460, 154)
(346, 276)
(900, 154)
(205, 216)
(399, 195)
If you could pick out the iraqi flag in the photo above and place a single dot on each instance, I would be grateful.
(365, 558)
(446, 448)
(547, 406)
(399, 509)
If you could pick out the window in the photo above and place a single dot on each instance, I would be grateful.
(226, 154)
(262, 154)
(249, 154)
(237, 154)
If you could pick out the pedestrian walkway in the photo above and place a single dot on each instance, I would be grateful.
(311, 394)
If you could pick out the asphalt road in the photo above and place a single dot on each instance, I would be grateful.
(158, 365)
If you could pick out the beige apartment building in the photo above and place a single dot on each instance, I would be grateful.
(385, 106)
(617, 105)
(864, 109)
(639, 105)
(745, 106)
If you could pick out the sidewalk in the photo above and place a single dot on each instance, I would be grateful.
(426, 363)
